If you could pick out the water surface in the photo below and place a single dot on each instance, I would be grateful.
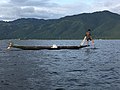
(83, 69)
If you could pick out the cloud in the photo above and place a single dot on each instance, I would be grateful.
(49, 9)
(39, 3)
(12, 13)
(106, 4)
(14, 9)
(88, 6)
(18, 1)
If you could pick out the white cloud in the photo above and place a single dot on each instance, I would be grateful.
(88, 6)
(14, 9)
(49, 9)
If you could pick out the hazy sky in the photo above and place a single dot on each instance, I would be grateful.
(50, 9)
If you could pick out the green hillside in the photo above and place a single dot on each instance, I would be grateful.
(104, 25)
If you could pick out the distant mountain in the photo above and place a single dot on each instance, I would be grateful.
(104, 24)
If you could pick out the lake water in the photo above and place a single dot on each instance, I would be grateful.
(83, 69)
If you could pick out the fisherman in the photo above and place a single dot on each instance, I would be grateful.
(89, 37)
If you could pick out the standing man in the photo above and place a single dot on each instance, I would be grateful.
(89, 37)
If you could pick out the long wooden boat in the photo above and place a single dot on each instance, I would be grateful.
(54, 47)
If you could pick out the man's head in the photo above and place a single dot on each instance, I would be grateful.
(89, 30)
